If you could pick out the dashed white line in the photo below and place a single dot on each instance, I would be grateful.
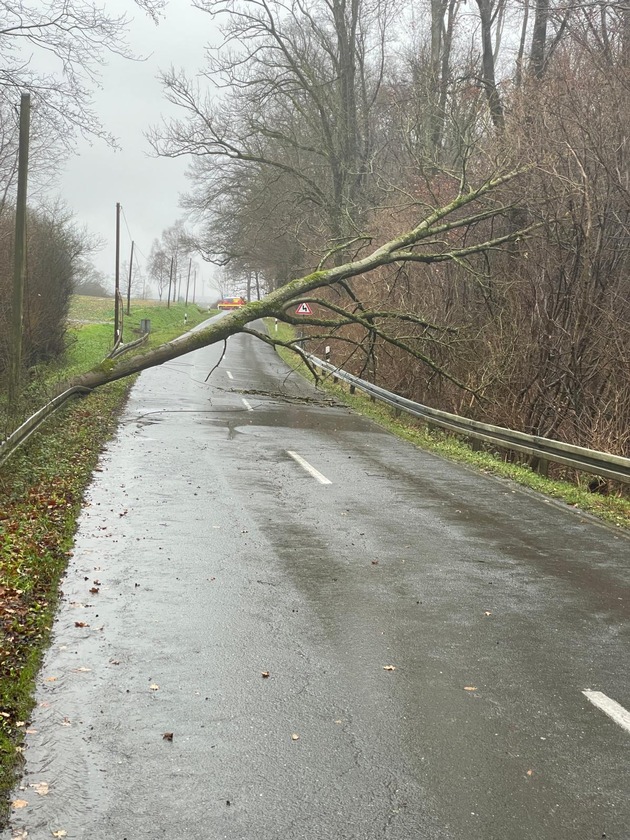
(229, 375)
(310, 469)
(610, 707)
(246, 404)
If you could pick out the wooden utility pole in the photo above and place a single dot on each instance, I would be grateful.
(194, 285)
(117, 292)
(129, 283)
(19, 257)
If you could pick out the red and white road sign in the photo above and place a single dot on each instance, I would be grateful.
(304, 309)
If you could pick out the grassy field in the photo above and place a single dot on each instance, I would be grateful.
(97, 309)
(91, 327)
(41, 491)
(613, 508)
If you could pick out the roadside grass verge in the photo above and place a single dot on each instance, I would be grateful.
(613, 509)
(41, 491)
(41, 487)
(87, 344)
(97, 340)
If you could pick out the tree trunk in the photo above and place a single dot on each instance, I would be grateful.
(488, 67)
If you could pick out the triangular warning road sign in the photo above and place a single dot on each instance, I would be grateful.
(304, 309)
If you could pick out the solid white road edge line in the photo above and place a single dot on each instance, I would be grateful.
(246, 404)
(613, 709)
(309, 468)
(229, 374)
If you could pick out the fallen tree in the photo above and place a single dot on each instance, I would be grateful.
(442, 235)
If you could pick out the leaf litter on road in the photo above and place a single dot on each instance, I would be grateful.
(41, 788)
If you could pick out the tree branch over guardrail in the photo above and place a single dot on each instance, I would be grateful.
(462, 215)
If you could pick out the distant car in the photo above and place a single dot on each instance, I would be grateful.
(231, 303)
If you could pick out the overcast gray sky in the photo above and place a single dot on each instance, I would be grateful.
(131, 99)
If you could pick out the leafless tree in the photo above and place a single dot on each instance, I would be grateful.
(301, 80)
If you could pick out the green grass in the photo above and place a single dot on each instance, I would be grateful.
(87, 344)
(41, 491)
(613, 509)
(89, 308)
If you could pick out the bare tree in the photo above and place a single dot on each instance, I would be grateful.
(443, 235)
(74, 37)
(303, 80)
(158, 267)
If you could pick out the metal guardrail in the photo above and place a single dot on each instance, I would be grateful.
(17, 438)
(580, 458)
(119, 349)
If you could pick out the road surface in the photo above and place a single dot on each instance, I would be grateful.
(282, 622)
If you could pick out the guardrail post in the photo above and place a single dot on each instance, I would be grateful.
(352, 389)
(540, 465)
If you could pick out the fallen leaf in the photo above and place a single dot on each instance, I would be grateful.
(265, 674)
(96, 582)
(82, 669)
(66, 722)
(487, 612)
(60, 833)
(154, 687)
(168, 736)
(530, 772)
(80, 624)
(20, 723)
(375, 562)
(31, 731)
(95, 590)
(51, 679)
(295, 737)
(114, 661)
(19, 803)
(389, 667)
(41, 788)
(470, 688)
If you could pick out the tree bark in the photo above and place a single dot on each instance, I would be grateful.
(488, 66)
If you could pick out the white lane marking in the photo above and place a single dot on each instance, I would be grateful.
(309, 468)
(229, 374)
(610, 707)
(246, 404)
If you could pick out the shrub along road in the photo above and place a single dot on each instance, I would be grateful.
(280, 621)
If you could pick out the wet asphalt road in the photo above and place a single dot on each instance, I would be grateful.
(218, 557)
